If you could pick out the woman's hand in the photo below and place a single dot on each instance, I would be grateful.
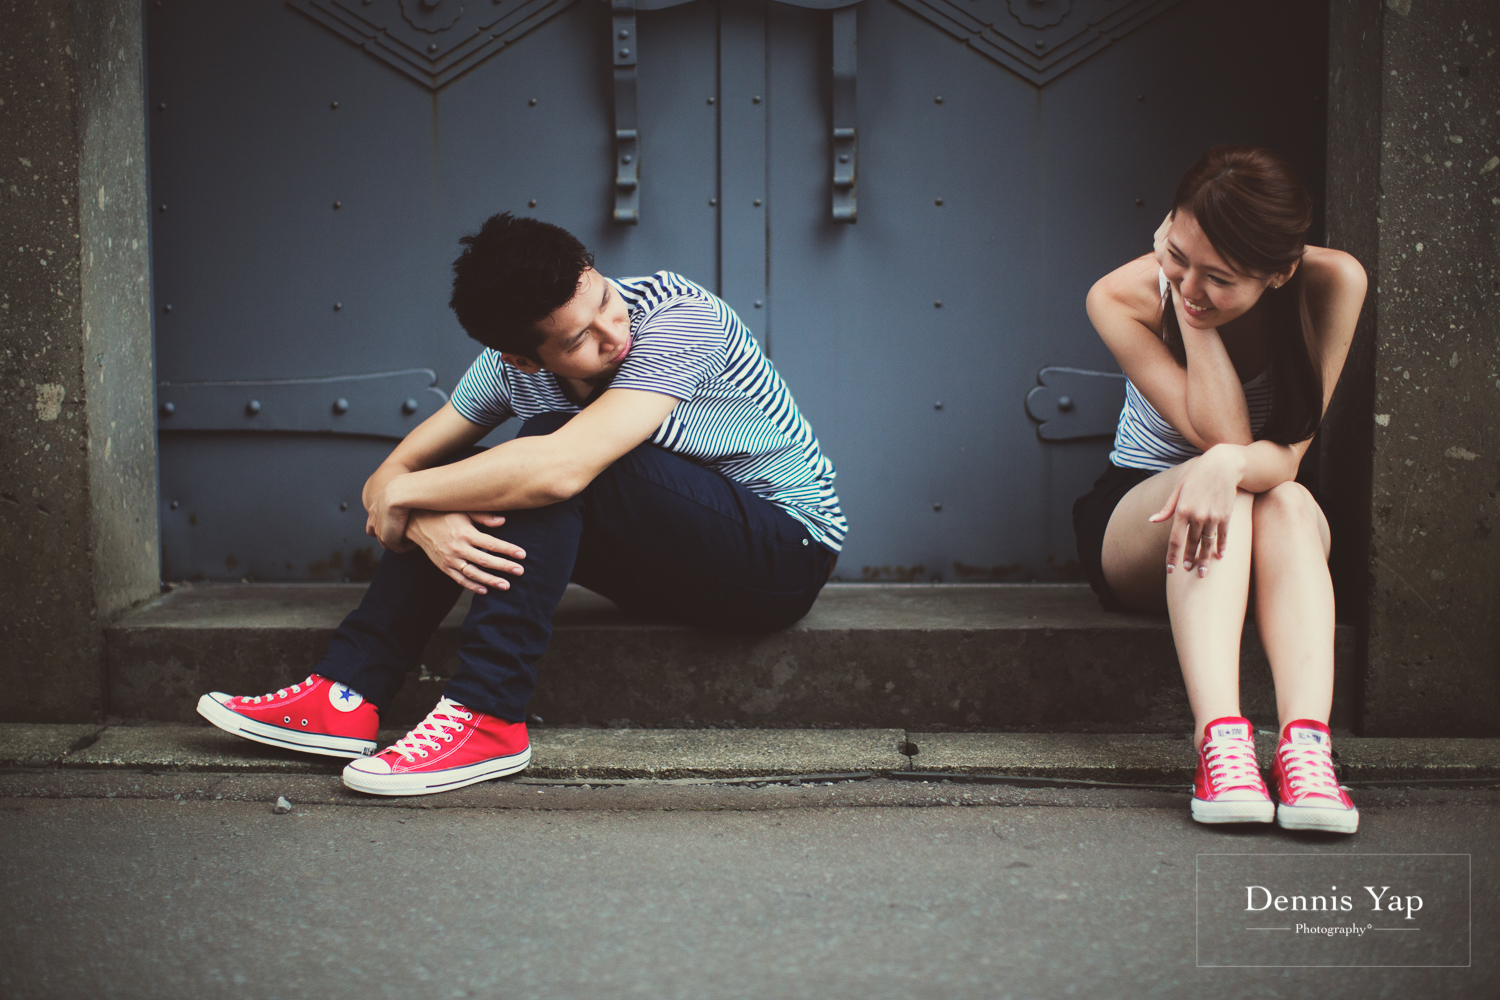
(456, 546)
(1200, 508)
(1159, 241)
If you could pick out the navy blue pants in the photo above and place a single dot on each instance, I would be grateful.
(658, 535)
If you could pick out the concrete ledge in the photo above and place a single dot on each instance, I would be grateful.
(25, 744)
(607, 755)
(1004, 656)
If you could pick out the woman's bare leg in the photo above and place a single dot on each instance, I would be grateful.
(1207, 612)
(1294, 608)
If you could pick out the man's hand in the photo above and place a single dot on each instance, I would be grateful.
(458, 548)
(386, 521)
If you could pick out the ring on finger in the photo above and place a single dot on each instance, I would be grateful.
(463, 566)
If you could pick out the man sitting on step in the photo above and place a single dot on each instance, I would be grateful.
(661, 462)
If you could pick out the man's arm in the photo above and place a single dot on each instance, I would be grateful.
(525, 472)
(433, 440)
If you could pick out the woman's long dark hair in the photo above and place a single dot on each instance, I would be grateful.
(1255, 213)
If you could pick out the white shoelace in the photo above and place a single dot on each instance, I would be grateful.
(279, 693)
(433, 730)
(1309, 770)
(1231, 764)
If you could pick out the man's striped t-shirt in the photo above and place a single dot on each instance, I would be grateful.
(736, 415)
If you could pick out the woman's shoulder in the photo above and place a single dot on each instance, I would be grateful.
(1333, 273)
(1133, 288)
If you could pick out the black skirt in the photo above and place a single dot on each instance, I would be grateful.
(1091, 513)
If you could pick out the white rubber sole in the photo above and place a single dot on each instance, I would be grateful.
(432, 782)
(288, 739)
(1263, 811)
(1315, 818)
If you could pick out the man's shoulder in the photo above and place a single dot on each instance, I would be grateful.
(662, 287)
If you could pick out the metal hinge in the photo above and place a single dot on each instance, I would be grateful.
(845, 128)
(627, 134)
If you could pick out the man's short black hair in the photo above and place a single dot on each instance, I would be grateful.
(511, 274)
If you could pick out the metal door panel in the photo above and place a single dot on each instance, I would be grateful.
(1039, 192)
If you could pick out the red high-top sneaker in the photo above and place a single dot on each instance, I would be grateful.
(454, 746)
(1306, 783)
(1227, 787)
(315, 716)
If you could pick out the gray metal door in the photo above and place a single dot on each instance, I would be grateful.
(906, 199)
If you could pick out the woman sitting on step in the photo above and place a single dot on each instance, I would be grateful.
(1232, 336)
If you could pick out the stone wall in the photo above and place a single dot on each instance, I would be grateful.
(1414, 191)
(78, 523)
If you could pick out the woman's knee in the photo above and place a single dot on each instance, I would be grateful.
(544, 423)
(1288, 504)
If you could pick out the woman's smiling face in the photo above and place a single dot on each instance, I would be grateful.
(1212, 292)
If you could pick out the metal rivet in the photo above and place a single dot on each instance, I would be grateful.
(174, 505)
(531, 103)
(531, 203)
(252, 407)
(757, 203)
(167, 409)
(937, 507)
(162, 106)
(938, 304)
(843, 157)
(167, 307)
(161, 208)
(337, 306)
(755, 99)
(624, 53)
(712, 202)
(1065, 403)
(938, 99)
(338, 204)
(757, 303)
(624, 33)
(1141, 98)
(937, 406)
(409, 407)
(343, 506)
(1041, 43)
(432, 47)
(626, 158)
(710, 100)
(1140, 201)
(341, 405)
(333, 105)
(937, 201)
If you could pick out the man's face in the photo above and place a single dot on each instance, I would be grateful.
(586, 338)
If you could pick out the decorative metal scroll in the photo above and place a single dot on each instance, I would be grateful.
(1073, 403)
(384, 404)
(432, 41)
(1038, 40)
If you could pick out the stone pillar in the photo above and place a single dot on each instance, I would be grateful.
(78, 514)
(1414, 192)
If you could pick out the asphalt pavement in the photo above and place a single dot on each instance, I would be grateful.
(139, 885)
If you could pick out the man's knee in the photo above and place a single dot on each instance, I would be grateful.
(543, 423)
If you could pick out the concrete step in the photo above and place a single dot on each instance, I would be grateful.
(978, 656)
(570, 754)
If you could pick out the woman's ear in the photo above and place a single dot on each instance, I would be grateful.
(522, 363)
(1284, 275)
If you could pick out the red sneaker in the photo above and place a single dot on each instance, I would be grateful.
(454, 746)
(1306, 783)
(1227, 787)
(315, 716)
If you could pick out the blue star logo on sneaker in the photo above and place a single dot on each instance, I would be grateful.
(343, 699)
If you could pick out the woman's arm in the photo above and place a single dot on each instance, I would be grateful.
(1204, 402)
